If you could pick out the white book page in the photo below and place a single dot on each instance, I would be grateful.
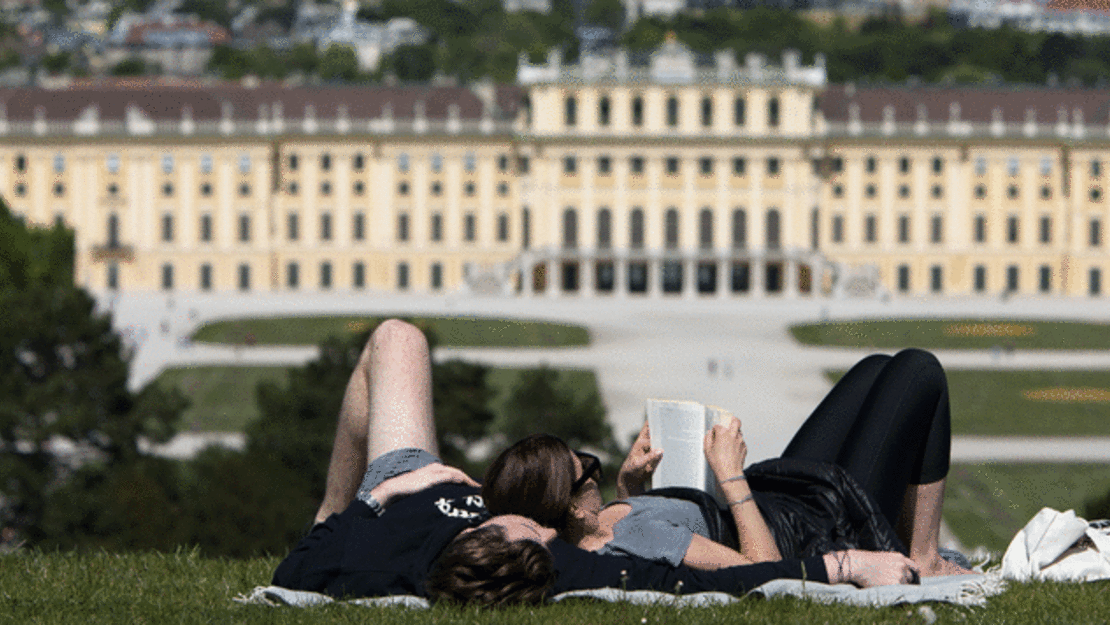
(678, 428)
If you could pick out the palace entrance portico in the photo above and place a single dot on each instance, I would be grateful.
(572, 273)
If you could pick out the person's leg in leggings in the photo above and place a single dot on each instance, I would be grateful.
(887, 423)
(387, 406)
(828, 427)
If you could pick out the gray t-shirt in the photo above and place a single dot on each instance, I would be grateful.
(657, 528)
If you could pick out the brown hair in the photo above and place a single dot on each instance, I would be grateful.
(532, 478)
(482, 567)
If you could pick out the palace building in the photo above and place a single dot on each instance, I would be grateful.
(668, 175)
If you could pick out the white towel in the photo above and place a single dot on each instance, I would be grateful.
(1059, 546)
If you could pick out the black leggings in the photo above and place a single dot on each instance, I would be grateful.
(887, 423)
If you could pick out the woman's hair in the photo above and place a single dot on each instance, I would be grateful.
(532, 478)
(482, 567)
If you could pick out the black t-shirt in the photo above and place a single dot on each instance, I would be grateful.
(357, 554)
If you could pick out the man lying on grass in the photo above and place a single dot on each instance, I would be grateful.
(415, 526)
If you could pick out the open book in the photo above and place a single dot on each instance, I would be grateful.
(679, 427)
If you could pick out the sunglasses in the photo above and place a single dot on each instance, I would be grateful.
(591, 467)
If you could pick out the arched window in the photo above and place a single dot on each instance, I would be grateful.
(672, 111)
(773, 112)
(670, 225)
(706, 112)
(570, 111)
(773, 229)
(705, 229)
(738, 112)
(739, 228)
(636, 229)
(525, 228)
(604, 229)
(570, 228)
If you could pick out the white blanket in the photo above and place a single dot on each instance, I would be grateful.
(1059, 546)
(968, 590)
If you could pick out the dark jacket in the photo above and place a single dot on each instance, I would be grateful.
(811, 508)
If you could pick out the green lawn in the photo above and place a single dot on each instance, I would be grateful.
(993, 403)
(185, 588)
(956, 334)
(986, 504)
(449, 331)
(223, 397)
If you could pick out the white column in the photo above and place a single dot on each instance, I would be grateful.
(724, 277)
(587, 274)
(689, 278)
(526, 286)
(554, 285)
(755, 276)
(790, 279)
(654, 276)
(620, 280)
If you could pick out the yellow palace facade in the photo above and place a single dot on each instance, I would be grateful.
(671, 175)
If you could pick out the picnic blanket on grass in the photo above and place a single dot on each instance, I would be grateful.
(966, 590)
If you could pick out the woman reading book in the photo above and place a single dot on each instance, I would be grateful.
(865, 471)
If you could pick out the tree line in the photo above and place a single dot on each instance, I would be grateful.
(477, 38)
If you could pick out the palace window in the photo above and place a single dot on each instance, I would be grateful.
(739, 228)
(774, 238)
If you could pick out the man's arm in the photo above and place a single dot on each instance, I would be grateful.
(417, 480)
(577, 569)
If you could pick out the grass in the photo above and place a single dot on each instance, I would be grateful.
(956, 334)
(449, 331)
(184, 588)
(986, 504)
(992, 403)
(223, 398)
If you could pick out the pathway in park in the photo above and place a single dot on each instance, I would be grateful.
(735, 354)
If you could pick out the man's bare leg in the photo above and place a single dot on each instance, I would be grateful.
(919, 527)
(387, 406)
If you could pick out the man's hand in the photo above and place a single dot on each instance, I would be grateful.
(638, 466)
(415, 481)
(726, 450)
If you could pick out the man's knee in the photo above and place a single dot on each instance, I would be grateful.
(397, 334)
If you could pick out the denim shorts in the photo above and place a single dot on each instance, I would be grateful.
(392, 464)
